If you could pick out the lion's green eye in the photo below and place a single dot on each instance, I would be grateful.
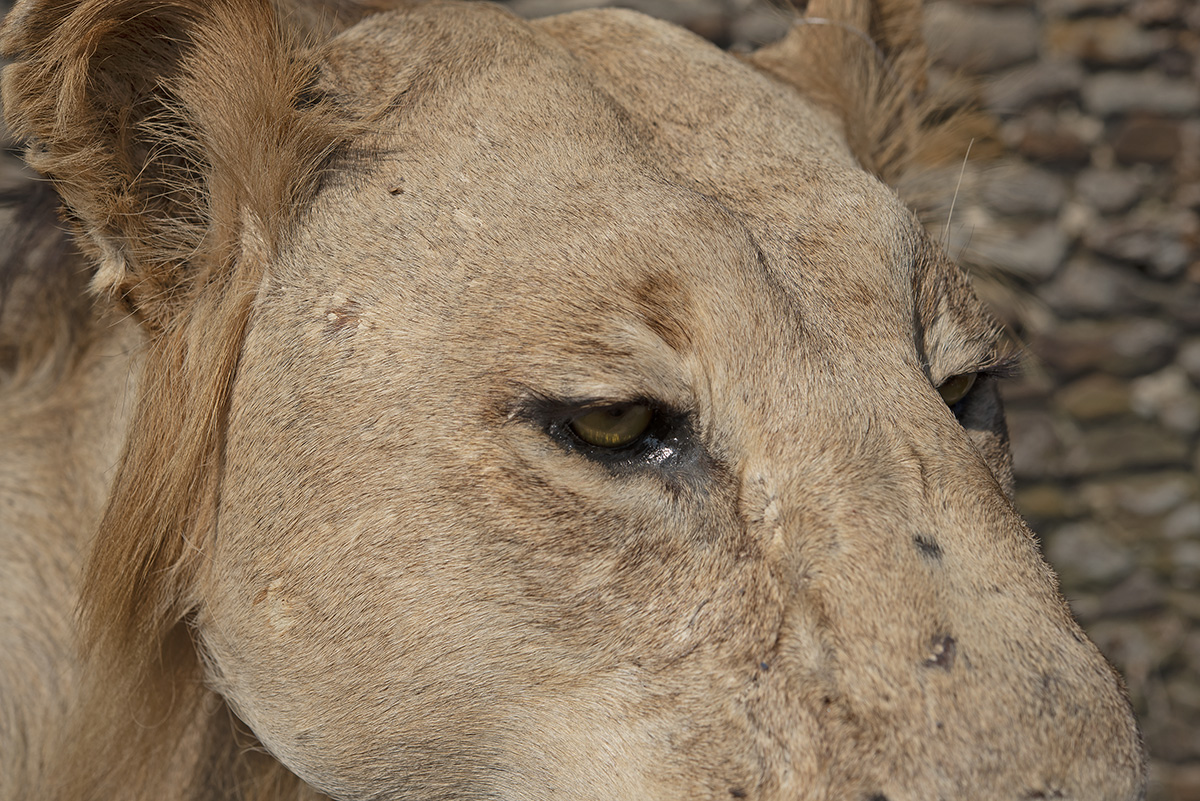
(613, 426)
(956, 387)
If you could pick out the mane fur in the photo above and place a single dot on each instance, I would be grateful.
(184, 139)
(179, 189)
(868, 64)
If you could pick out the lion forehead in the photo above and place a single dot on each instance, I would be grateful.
(599, 148)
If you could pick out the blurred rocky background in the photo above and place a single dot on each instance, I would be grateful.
(1077, 211)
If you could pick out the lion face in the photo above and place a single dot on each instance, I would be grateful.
(605, 431)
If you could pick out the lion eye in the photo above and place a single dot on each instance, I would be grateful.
(613, 426)
(956, 387)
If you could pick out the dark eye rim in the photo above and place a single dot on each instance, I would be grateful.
(669, 440)
(1001, 367)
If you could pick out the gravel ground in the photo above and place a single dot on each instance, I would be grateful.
(1077, 211)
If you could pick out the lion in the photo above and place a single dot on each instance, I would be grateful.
(439, 405)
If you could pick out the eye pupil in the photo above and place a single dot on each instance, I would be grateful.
(613, 426)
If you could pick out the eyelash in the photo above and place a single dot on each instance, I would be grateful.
(1005, 365)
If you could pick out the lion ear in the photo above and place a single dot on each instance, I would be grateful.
(179, 133)
(866, 61)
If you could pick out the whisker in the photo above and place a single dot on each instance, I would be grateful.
(962, 171)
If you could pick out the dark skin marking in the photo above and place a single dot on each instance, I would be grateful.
(342, 316)
(942, 652)
(927, 546)
(663, 306)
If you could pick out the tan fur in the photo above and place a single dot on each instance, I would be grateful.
(354, 278)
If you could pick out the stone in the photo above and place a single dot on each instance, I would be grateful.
(980, 39)
(1084, 555)
(1189, 604)
(1104, 41)
(1090, 286)
(1182, 415)
(1036, 444)
(1069, 8)
(1016, 189)
(1111, 93)
(1043, 137)
(1174, 740)
(1186, 554)
(1191, 640)
(1175, 62)
(1189, 359)
(1154, 494)
(1183, 305)
(1110, 191)
(1094, 397)
(1174, 782)
(1034, 254)
(1188, 194)
(1125, 347)
(1140, 592)
(1184, 523)
(1152, 240)
(1151, 392)
(1140, 648)
(1125, 446)
(1046, 80)
(1184, 694)
(1047, 502)
(1167, 396)
(1152, 140)
(1075, 347)
(1144, 495)
(1076, 218)
(1139, 345)
(1158, 12)
(1184, 563)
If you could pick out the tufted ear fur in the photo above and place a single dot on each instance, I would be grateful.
(866, 61)
(171, 129)
(185, 138)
